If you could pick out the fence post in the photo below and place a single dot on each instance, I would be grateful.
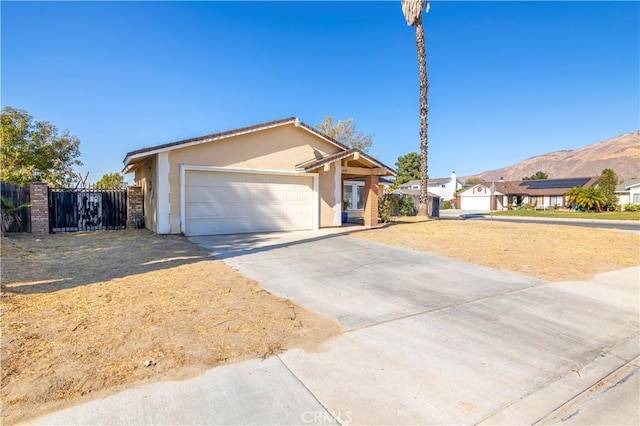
(134, 205)
(39, 199)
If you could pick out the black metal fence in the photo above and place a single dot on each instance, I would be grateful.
(18, 195)
(87, 209)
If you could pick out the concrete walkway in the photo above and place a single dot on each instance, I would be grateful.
(426, 340)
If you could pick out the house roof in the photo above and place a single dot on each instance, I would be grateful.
(360, 159)
(538, 187)
(414, 192)
(436, 181)
(145, 152)
(627, 184)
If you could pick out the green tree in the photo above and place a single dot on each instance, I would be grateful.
(539, 175)
(412, 10)
(607, 184)
(587, 198)
(346, 132)
(408, 168)
(573, 195)
(111, 181)
(26, 145)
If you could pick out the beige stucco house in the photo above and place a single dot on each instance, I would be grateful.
(280, 175)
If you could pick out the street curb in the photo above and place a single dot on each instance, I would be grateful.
(561, 219)
(571, 407)
(576, 386)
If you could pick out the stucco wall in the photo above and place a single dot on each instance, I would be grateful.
(280, 148)
(327, 196)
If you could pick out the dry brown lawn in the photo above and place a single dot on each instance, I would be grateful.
(549, 252)
(82, 312)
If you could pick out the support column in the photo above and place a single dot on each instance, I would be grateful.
(371, 191)
(39, 200)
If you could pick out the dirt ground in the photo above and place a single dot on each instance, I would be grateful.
(549, 252)
(83, 312)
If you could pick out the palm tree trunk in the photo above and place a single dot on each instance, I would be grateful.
(424, 109)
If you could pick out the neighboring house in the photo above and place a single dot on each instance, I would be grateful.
(275, 176)
(628, 192)
(501, 195)
(445, 188)
(353, 191)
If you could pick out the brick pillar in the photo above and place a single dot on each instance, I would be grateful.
(135, 202)
(39, 200)
(371, 190)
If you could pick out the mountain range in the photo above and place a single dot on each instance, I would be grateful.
(621, 153)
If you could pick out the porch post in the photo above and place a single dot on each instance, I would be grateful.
(371, 190)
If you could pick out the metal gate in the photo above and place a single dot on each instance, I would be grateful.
(87, 209)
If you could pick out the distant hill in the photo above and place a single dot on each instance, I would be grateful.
(622, 154)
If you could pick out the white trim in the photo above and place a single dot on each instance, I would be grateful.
(183, 199)
(316, 201)
(186, 167)
(163, 208)
(337, 193)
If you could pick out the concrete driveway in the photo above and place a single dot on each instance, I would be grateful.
(426, 340)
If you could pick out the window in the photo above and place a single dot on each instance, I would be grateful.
(360, 198)
(443, 186)
(636, 199)
(415, 186)
(348, 195)
(555, 200)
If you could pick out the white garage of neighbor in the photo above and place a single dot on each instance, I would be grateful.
(477, 197)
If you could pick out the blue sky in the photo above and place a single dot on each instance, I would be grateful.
(508, 80)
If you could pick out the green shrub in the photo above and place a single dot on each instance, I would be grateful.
(632, 207)
(446, 205)
(407, 208)
(385, 207)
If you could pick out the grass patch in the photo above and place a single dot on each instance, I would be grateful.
(555, 214)
(549, 252)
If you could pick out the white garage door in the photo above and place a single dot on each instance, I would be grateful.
(230, 203)
(475, 203)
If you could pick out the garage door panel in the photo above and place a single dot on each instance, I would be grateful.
(223, 203)
(475, 203)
